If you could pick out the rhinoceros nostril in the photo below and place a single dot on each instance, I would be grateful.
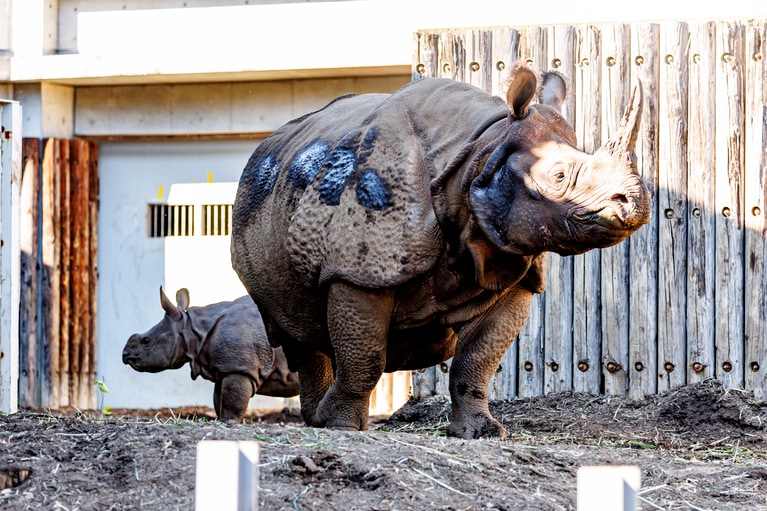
(619, 197)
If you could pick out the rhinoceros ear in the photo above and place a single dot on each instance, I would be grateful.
(553, 90)
(182, 298)
(522, 89)
(170, 309)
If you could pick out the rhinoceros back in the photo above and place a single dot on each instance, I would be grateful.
(345, 191)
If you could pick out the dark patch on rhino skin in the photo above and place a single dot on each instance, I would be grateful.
(372, 192)
(363, 248)
(340, 166)
(367, 144)
(259, 177)
(308, 162)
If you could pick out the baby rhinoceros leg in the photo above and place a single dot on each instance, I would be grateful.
(358, 323)
(231, 396)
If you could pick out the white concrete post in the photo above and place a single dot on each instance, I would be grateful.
(227, 476)
(10, 179)
(608, 488)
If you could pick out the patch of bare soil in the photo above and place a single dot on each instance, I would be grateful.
(698, 447)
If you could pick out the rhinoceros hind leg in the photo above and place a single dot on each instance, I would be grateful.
(358, 323)
(315, 376)
(235, 391)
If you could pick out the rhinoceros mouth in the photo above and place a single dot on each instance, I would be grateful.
(620, 215)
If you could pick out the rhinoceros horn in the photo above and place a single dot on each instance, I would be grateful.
(621, 144)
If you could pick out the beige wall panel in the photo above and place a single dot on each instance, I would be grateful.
(260, 106)
(210, 109)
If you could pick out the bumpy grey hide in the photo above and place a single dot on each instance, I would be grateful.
(389, 232)
(223, 342)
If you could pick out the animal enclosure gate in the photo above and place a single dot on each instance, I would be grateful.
(684, 298)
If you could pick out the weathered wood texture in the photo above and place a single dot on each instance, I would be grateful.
(684, 298)
(29, 244)
(58, 339)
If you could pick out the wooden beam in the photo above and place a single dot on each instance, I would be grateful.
(29, 244)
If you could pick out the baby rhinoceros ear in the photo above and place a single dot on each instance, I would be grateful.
(170, 309)
(182, 298)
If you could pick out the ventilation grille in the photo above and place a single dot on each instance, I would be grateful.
(170, 220)
(216, 219)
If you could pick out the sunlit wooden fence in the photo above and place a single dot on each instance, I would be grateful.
(59, 275)
(684, 298)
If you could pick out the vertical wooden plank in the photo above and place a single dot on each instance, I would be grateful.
(425, 55)
(452, 64)
(423, 383)
(425, 65)
(478, 70)
(587, 321)
(442, 377)
(562, 58)
(533, 49)
(505, 52)
(729, 203)
(452, 55)
(446, 55)
(65, 274)
(672, 201)
(558, 331)
(504, 383)
(93, 220)
(756, 202)
(643, 245)
(616, 54)
(28, 242)
(701, 249)
(50, 381)
(80, 272)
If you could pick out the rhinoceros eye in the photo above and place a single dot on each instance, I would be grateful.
(145, 341)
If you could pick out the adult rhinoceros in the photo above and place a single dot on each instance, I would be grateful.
(387, 232)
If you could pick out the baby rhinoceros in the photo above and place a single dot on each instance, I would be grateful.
(223, 342)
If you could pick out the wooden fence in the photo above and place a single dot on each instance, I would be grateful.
(684, 298)
(59, 213)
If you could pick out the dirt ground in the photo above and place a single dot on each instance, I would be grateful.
(698, 447)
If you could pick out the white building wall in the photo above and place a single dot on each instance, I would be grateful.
(132, 266)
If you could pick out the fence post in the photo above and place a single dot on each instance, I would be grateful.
(10, 260)
(226, 476)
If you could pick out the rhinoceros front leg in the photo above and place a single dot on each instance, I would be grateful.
(358, 323)
(231, 396)
(480, 348)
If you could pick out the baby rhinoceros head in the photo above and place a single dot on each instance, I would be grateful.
(538, 192)
(161, 347)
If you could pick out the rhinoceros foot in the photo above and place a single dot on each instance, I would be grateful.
(478, 425)
(342, 412)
